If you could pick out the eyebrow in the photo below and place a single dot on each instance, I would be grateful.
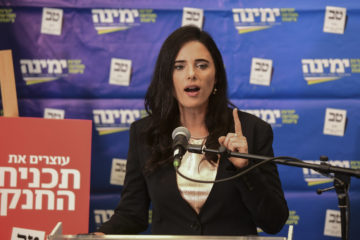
(196, 60)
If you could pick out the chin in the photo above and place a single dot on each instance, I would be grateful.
(194, 105)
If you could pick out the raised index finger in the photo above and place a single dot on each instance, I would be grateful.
(237, 122)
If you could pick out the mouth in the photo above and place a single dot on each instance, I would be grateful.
(192, 89)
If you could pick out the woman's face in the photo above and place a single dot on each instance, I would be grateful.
(193, 76)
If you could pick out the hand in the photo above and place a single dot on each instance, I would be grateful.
(236, 142)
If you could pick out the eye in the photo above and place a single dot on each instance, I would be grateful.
(178, 67)
(202, 65)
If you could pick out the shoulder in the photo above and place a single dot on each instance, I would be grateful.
(141, 123)
(139, 127)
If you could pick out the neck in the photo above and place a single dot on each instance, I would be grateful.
(194, 121)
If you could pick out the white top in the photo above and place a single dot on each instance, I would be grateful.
(195, 166)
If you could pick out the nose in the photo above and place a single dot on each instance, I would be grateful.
(191, 73)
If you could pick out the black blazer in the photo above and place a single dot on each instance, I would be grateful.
(235, 207)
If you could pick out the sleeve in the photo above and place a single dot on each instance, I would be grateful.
(261, 187)
(132, 213)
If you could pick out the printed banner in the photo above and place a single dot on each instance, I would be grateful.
(44, 176)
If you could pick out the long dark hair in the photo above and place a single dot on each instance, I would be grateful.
(162, 106)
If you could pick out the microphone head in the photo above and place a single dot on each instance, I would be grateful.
(182, 131)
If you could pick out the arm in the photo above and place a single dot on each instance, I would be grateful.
(131, 214)
(261, 188)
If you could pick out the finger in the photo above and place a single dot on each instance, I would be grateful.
(230, 148)
(221, 140)
(241, 147)
(239, 144)
(228, 138)
(237, 122)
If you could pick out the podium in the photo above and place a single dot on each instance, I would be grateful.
(56, 234)
(157, 237)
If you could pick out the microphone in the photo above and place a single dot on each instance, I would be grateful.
(180, 136)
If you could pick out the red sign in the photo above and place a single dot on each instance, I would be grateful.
(44, 176)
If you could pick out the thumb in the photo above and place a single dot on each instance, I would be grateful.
(221, 140)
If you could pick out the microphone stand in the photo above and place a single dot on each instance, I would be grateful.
(341, 177)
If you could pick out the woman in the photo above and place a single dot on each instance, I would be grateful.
(189, 88)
